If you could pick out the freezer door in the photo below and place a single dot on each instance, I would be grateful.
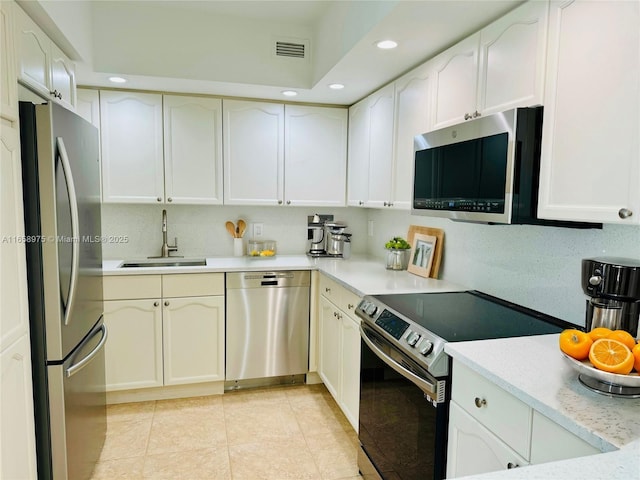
(69, 207)
(77, 402)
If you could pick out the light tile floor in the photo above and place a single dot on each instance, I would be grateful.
(277, 433)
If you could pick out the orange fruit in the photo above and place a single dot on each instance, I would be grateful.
(575, 343)
(624, 337)
(611, 356)
(636, 355)
(599, 332)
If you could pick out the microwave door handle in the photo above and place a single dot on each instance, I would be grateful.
(75, 231)
(427, 387)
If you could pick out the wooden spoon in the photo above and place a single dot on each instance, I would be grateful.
(231, 228)
(242, 226)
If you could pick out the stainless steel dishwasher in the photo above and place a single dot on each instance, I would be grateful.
(267, 325)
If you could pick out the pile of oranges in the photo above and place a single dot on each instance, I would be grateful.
(613, 351)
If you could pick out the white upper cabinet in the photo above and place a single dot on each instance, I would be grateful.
(284, 155)
(8, 77)
(499, 68)
(193, 150)
(88, 105)
(512, 59)
(42, 66)
(253, 153)
(371, 150)
(455, 80)
(315, 156)
(412, 117)
(131, 135)
(590, 159)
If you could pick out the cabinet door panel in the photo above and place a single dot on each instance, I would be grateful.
(88, 105)
(590, 159)
(193, 340)
(550, 442)
(472, 449)
(193, 150)
(350, 383)
(133, 353)
(329, 349)
(358, 165)
(63, 78)
(455, 76)
(8, 76)
(512, 59)
(315, 156)
(33, 53)
(132, 153)
(380, 147)
(253, 153)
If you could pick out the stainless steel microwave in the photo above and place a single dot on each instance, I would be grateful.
(484, 170)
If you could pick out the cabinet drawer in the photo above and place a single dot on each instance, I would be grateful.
(330, 289)
(192, 284)
(502, 413)
(129, 287)
(348, 303)
(550, 442)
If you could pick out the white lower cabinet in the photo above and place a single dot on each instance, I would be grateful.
(339, 347)
(491, 430)
(164, 330)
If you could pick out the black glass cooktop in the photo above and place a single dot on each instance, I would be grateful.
(471, 315)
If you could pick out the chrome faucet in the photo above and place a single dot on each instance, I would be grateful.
(166, 248)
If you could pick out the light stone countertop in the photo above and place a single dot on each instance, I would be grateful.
(533, 370)
(360, 274)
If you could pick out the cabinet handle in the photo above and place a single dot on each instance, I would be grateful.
(327, 289)
(476, 114)
(624, 213)
(385, 204)
(166, 304)
(350, 306)
(288, 202)
(155, 304)
(159, 199)
(56, 94)
(467, 116)
(390, 204)
(279, 202)
(480, 402)
(511, 465)
(169, 199)
(360, 202)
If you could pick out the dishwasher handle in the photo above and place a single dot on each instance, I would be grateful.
(269, 283)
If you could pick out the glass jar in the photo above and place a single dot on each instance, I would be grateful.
(397, 259)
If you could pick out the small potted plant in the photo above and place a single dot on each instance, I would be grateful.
(397, 253)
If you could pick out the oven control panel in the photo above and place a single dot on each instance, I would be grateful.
(423, 346)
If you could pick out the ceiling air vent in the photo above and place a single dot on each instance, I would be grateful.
(290, 49)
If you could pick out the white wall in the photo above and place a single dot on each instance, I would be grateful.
(201, 229)
(537, 267)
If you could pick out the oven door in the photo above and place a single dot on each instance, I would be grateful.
(402, 431)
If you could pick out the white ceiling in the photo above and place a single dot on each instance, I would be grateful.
(226, 47)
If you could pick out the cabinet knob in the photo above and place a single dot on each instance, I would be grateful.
(155, 304)
(511, 465)
(390, 204)
(159, 199)
(360, 202)
(476, 114)
(480, 402)
(467, 116)
(169, 199)
(327, 289)
(56, 94)
(288, 202)
(166, 304)
(279, 202)
(350, 306)
(624, 213)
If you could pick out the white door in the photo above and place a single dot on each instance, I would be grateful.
(590, 159)
(358, 164)
(193, 338)
(350, 361)
(315, 156)
(330, 346)
(253, 153)
(132, 152)
(193, 150)
(33, 53)
(412, 117)
(455, 82)
(380, 147)
(133, 354)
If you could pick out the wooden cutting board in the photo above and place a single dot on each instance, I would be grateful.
(437, 255)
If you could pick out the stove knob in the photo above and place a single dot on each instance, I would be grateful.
(412, 339)
(426, 348)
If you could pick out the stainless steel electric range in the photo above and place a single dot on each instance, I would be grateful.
(405, 373)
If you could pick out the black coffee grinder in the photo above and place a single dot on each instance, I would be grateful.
(613, 287)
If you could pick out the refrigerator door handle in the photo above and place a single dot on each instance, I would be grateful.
(75, 232)
(75, 368)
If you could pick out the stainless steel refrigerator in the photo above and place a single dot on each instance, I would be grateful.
(61, 182)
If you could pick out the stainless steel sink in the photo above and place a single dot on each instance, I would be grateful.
(164, 262)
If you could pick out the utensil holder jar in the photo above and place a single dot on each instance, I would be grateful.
(238, 247)
(397, 259)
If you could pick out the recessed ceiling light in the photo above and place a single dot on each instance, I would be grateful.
(289, 93)
(386, 44)
(117, 80)
(336, 86)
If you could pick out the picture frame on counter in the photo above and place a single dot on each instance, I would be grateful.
(422, 253)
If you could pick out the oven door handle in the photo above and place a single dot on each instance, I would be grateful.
(431, 389)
